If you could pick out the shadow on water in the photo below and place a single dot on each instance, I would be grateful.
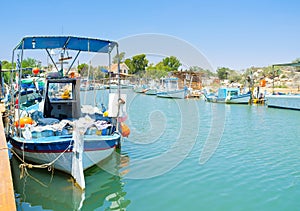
(47, 190)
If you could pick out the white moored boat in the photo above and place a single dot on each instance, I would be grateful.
(170, 89)
(283, 101)
(63, 133)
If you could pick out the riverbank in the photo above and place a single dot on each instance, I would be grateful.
(284, 90)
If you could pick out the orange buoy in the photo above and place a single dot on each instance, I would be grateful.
(24, 121)
(125, 131)
(72, 75)
(262, 83)
(35, 70)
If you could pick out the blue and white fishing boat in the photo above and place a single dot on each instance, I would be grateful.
(63, 133)
(170, 89)
(229, 96)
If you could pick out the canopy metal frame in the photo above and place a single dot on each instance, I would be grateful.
(292, 64)
(79, 44)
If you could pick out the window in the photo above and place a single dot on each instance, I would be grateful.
(60, 91)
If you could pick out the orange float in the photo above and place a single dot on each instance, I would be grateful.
(72, 75)
(35, 70)
(262, 83)
(24, 121)
(125, 131)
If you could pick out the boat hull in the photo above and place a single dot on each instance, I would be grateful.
(241, 99)
(151, 92)
(283, 101)
(139, 90)
(47, 149)
(179, 94)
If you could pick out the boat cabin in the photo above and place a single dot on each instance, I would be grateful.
(170, 84)
(225, 92)
(62, 98)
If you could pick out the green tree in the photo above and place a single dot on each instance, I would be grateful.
(6, 66)
(161, 66)
(204, 73)
(82, 68)
(29, 63)
(121, 57)
(223, 73)
(172, 62)
(129, 65)
(155, 72)
(234, 76)
(138, 64)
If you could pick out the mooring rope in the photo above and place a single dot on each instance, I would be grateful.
(24, 172)
(23, 166)
(46, 165)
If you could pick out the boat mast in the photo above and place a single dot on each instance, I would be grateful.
(19, 69)
(119, 89)
(109, 66)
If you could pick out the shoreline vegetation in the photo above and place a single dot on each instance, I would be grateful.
(138, 70)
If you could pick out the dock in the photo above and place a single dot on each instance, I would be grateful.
(7, 197)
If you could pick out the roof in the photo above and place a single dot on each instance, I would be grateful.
(66, 42)
(114, 67)
(296, 64)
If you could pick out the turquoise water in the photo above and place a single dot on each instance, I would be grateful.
(185, 155)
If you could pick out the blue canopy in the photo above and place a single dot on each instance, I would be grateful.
(66, 42)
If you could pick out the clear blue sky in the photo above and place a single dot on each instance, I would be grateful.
(232, 33)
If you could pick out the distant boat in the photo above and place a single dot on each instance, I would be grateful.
(283, 101)
(114, 85)
(140, 88)
(37, 83)
(126, 86)
(151, 92)
(229, 96)
(83, 87)
(170, 89)
(28, 97)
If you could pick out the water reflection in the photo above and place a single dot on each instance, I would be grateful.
(43, 191)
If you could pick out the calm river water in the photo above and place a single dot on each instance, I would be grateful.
(183, 155)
